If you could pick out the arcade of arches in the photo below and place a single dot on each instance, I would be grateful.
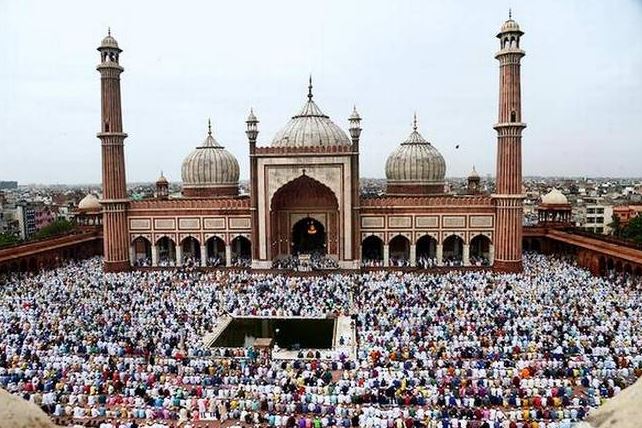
(479, 251)
(304, 218)
(52, 252)
(591, 256)
(213, 251)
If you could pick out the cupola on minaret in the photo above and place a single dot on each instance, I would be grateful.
(162, 187)
(509, 198)
(112, 137)
(473, 182)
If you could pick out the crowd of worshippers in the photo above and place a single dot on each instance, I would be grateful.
(461, 349)
(213, 261)
(305, 263)
(424, 262)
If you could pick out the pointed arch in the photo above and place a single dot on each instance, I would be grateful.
(399, 250)
(166, 251)
(241, 251)
(142, 251)
(480, 250)
(215, 247)
(372, 250)
(453, 249)
(191, 249)
(426, 251)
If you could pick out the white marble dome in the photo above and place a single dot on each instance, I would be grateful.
(89, 203)
(416, 162)
(109, 41)
(554, 197)
(210, 165)
(510, 26)
(310, 128)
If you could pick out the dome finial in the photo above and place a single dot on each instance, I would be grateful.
(414, 122)
(209, 126)
(310, 88)
(510, 13)
(109, 31)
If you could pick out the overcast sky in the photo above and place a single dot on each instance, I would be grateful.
(185, 62)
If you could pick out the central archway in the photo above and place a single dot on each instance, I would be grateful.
(308, 237)
(296, 206)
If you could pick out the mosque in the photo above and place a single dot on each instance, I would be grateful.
(304, 195)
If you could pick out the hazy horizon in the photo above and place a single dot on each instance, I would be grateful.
(581, 81)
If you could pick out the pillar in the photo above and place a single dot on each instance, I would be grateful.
(386, 255)
(132, 254)
(204, 255)
(440, 254)
(228, 255)
(154, 255)
(466, 255)
(413, 255)
(491, 254)
(179, 255)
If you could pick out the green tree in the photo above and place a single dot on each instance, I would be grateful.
(8, 239)
(57, 227)
(633, 230)
(616, 226)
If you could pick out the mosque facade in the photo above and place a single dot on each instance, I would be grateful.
(304, 195)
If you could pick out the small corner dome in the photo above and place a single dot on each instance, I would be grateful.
(415, 161)
(310, 128)
(554, 197)
(210, 166)
(162, 179)
(109, 41)
(510, 26)
(473, 173)
(89, 203)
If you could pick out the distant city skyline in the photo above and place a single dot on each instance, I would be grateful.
(581, 77)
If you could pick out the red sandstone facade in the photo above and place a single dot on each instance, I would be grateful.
(297, 181)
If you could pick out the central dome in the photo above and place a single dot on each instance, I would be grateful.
(310, 128)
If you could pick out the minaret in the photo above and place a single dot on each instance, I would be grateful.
(508, 195)
(112, 137)
(252, 132)
(355, 134)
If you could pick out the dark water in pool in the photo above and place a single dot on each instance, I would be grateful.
(291, 334)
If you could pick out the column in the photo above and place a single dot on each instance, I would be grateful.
(466, 256)
(491, 254)
(204, 255)
(440, 255)
(132, 255)
(154, 255)
(228, 255)
(413, 255)
(386, 255)
(179, 255)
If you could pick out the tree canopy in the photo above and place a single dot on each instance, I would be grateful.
(57, 227)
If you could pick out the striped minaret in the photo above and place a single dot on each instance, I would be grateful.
(508, 197)
(112, 137)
